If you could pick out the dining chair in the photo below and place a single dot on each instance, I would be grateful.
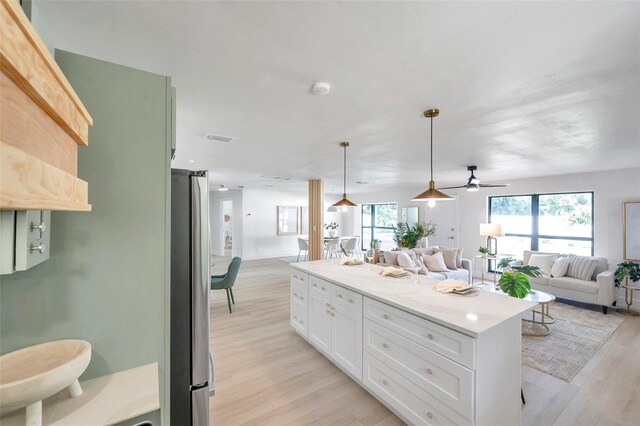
(226, 281)
(332, 248)
(351, 247)
(303, 246)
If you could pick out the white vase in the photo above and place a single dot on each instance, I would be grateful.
(332, 233)
(424, 242)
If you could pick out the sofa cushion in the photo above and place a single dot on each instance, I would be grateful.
(435, 262)
(543, 261)
(582, 267)
(427, 250)
(404, 260)
(458, 274)
(543, 280)
(391, 257)
(560, 266)
(449, 257)
(458, 255)
(436, 275)
(575, 284)
(526, 255)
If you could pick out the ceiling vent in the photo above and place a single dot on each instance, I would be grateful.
(276, 177)
(217, 138)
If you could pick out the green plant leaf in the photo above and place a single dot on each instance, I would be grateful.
(515, 284)
(530, 270)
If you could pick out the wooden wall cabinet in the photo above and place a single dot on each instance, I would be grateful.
(42, 123)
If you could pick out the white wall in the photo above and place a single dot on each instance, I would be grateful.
(260, 238)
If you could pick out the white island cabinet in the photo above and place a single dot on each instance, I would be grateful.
(433, 359)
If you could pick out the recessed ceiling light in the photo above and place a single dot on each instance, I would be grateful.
(223, 188)
(360, 182)
(241, 186)
(217, 138)
(192, 161)
(320, 88)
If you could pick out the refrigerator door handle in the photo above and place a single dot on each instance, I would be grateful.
(212, 375)
(200, 276)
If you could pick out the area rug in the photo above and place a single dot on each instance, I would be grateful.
(575, 337)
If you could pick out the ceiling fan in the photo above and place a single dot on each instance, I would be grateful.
(473, 184)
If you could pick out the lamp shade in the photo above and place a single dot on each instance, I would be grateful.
(432, 194)
(490, 230)
(344, 202)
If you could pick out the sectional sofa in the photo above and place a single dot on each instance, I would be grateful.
(462, 273)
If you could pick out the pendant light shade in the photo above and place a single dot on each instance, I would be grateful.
(344, 202)
(432, 194)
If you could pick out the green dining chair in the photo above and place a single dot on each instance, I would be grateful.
(226, 281)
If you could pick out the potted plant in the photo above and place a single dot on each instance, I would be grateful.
(484, 250)
(331, 227)
(515, 281)
(625, 271)
(408, 237)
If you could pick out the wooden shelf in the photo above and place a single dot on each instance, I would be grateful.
(28, 183)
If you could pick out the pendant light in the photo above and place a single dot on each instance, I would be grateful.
(432, 195)
(344, 203)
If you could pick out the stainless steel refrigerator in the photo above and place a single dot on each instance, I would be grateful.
(191, 363)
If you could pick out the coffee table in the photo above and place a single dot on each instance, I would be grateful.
(540, 317)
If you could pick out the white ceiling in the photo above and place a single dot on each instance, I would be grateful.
(524, 88)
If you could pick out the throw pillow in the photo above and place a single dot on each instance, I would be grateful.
(435, 262)
(543, 261)
(417, 264)
(581, 267)
(404, 260)
(458, 257)
(560, 266)
(391, 257)
(449, 257)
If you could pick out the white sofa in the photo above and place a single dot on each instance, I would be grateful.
(464, 273)
(600, 290)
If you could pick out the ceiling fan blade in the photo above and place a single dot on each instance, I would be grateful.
(454, 187)
(497, 185)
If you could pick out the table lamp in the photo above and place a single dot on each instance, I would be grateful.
(491, 230)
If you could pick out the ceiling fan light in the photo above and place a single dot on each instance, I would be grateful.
(473, 187)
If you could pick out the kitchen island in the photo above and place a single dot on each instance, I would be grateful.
(432, 358)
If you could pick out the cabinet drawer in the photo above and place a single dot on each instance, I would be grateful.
(450, 382)
(299, 320)
(299, 277)
(416, 405)
(320, 286)
(299, 296)
(448, 343)
(347, 299)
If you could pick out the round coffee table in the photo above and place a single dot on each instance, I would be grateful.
(543, 300)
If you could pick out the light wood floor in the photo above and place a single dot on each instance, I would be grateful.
(268, 375)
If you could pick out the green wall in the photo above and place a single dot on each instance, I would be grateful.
(108, 276)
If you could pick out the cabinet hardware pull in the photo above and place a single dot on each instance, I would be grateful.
(430, 415)
(295, 317)
(430, 336)
(350, 300)
(384, 345)
(339, 296)
(328, 311)
(295, 294)
(39, 247)
(301, 322)
(328, 305)
(322, 288)
(301, 298)
(429, 371)
(40, 227)
(384, 382)
(385, 316)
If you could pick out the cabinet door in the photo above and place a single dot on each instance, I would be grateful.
(347, 337)
(319, 321)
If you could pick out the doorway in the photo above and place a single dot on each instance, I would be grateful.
(227, 227)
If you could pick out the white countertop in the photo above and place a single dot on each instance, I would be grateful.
(471, 315)
(106, 400)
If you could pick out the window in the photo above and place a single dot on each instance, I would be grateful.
(557, 223)
(378, 222)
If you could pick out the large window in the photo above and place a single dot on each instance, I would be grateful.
(378, 222)
(557, 223)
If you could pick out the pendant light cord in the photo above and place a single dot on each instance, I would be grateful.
(431, 148)
(344, 172)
